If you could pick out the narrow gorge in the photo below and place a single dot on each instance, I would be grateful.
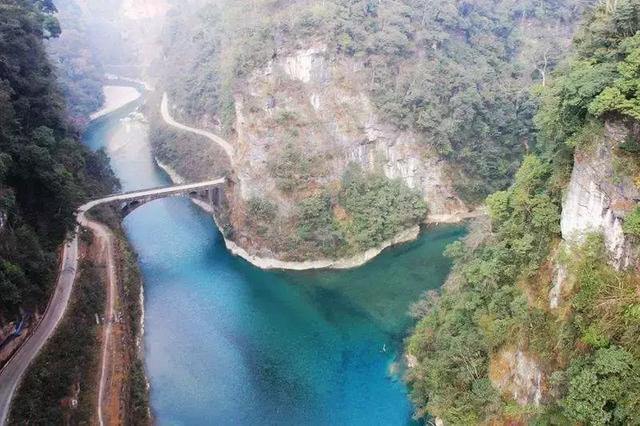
(353, 212)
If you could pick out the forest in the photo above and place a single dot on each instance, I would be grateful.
(590, 351)
(459, 73)
(45, 173)
(78, 68)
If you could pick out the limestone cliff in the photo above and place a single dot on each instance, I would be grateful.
(599, 195)
(324, 105)
(517, 374)
(300, 122)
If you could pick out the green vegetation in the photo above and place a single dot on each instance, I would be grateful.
(499, 293)
(367, 210)
(293, 169)
(631, 224)
(68, 366)
(262, 213)
(364, 210)
(77, 66)
(457, 73)
(378, 208)
(44, 172)
(603, 388)
(318, 226)
(454, 340)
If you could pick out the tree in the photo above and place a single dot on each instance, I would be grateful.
(603, 388)
(631, 224)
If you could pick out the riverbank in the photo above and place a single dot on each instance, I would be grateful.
(115, 97)
(124, 386)
(360, 259)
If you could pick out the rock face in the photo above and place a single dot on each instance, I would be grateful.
(321, 107)
(517, 374)
(559, 278)
(599, 196)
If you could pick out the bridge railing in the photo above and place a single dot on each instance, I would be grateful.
(157, 188)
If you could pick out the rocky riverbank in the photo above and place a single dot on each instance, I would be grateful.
(407, 235)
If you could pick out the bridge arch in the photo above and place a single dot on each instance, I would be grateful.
(210, 192)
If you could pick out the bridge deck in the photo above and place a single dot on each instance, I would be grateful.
(168, 190)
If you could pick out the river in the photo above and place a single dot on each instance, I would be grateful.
(229, 344)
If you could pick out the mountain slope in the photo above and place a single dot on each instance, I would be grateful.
(44, 171)
(539, 321)
(436, 98)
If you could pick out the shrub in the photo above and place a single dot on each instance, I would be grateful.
(378, 207)
(317, 225)
(292, 169)
(631, 225)
(602, 387)
(262, 209)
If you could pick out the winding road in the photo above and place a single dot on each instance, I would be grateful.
(12, 372)
(166, 116)
(14, 369)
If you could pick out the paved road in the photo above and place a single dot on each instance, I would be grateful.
(12, 372)
(168, 191)
(166, 116)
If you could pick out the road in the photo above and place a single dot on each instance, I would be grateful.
(12, 372)
(167, 190)
(166, 116)
(105, 236)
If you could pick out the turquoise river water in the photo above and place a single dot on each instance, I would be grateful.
(229, 344)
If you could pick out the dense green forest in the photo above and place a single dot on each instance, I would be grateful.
(456, 72)
(367, 210)
(496, 295)
(44, 171)
(77, 66)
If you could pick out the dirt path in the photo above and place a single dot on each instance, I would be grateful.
(106, 238)
(13, 371)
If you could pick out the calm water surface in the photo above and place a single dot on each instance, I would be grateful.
(229, 344)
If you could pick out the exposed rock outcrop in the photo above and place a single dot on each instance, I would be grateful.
(516, 373)
(599, 196)
(558, 283)
(322, 107)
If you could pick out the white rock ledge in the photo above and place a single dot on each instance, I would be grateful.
(344, 263)
(360, 259)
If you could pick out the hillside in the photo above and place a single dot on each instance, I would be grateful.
(44, 171)
(431, 101)
(539, 322)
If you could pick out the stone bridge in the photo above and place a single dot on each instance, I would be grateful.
(208, 191)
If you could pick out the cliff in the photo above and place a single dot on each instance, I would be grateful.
(544, 304)
(321, 106)
(600, 193)
(308, 93)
